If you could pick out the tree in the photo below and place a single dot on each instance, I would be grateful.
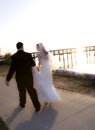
(7, 58)
(7, 55)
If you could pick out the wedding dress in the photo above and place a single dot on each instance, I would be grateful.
(43, 82)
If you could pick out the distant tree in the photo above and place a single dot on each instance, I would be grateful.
(7, 55)
(7, 58)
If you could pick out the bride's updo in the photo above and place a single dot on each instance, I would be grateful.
(41, 48)
(42, 52)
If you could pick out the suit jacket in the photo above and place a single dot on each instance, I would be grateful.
(21, 64)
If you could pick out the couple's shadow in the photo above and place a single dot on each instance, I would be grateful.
(13, 116)
(39, 121)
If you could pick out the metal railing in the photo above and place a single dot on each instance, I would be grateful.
(70, 57)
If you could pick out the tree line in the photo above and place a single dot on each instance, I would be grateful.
(5, 59)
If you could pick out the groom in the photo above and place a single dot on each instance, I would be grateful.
(22, 63)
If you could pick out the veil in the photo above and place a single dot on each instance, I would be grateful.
(45, 54)
(53, 61)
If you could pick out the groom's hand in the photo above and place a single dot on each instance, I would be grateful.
(7, 83)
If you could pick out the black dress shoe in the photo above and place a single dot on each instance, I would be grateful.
(37, 109)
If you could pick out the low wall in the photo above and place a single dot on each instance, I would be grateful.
(70, 73)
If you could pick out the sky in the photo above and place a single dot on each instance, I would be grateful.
(58, 24)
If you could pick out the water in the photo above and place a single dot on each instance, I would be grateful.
(85, 68)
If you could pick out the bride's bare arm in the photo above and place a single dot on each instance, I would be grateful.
(39, 63)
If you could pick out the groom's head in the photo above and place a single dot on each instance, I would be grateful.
(19, 46)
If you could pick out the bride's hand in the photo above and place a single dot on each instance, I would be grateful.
(38, 68)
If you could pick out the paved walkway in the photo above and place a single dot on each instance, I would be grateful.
(74, 112)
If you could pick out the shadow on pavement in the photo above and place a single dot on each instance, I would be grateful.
(13, 116)
(40, 121)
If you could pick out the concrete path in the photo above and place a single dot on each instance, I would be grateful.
(74, 112)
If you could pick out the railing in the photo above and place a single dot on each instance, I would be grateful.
(70, 57)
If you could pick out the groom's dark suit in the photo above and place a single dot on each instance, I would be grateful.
(22, 63)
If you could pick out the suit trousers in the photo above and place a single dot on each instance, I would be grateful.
(27, 86)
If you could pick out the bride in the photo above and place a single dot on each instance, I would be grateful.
(42, 75)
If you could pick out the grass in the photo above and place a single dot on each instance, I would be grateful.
(75, 85)
(4, 70)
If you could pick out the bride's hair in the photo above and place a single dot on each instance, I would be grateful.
(43, 53)
(42, 48)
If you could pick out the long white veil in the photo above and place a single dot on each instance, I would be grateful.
(53, 61)
(43, 53)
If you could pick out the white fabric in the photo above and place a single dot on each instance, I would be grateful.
(43, 53)
(43, 82)
(53, 61)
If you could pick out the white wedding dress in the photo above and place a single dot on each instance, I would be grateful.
(43, 83)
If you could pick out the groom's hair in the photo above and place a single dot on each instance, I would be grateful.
(19, 45)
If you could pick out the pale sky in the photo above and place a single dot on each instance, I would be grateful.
(58, 24)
